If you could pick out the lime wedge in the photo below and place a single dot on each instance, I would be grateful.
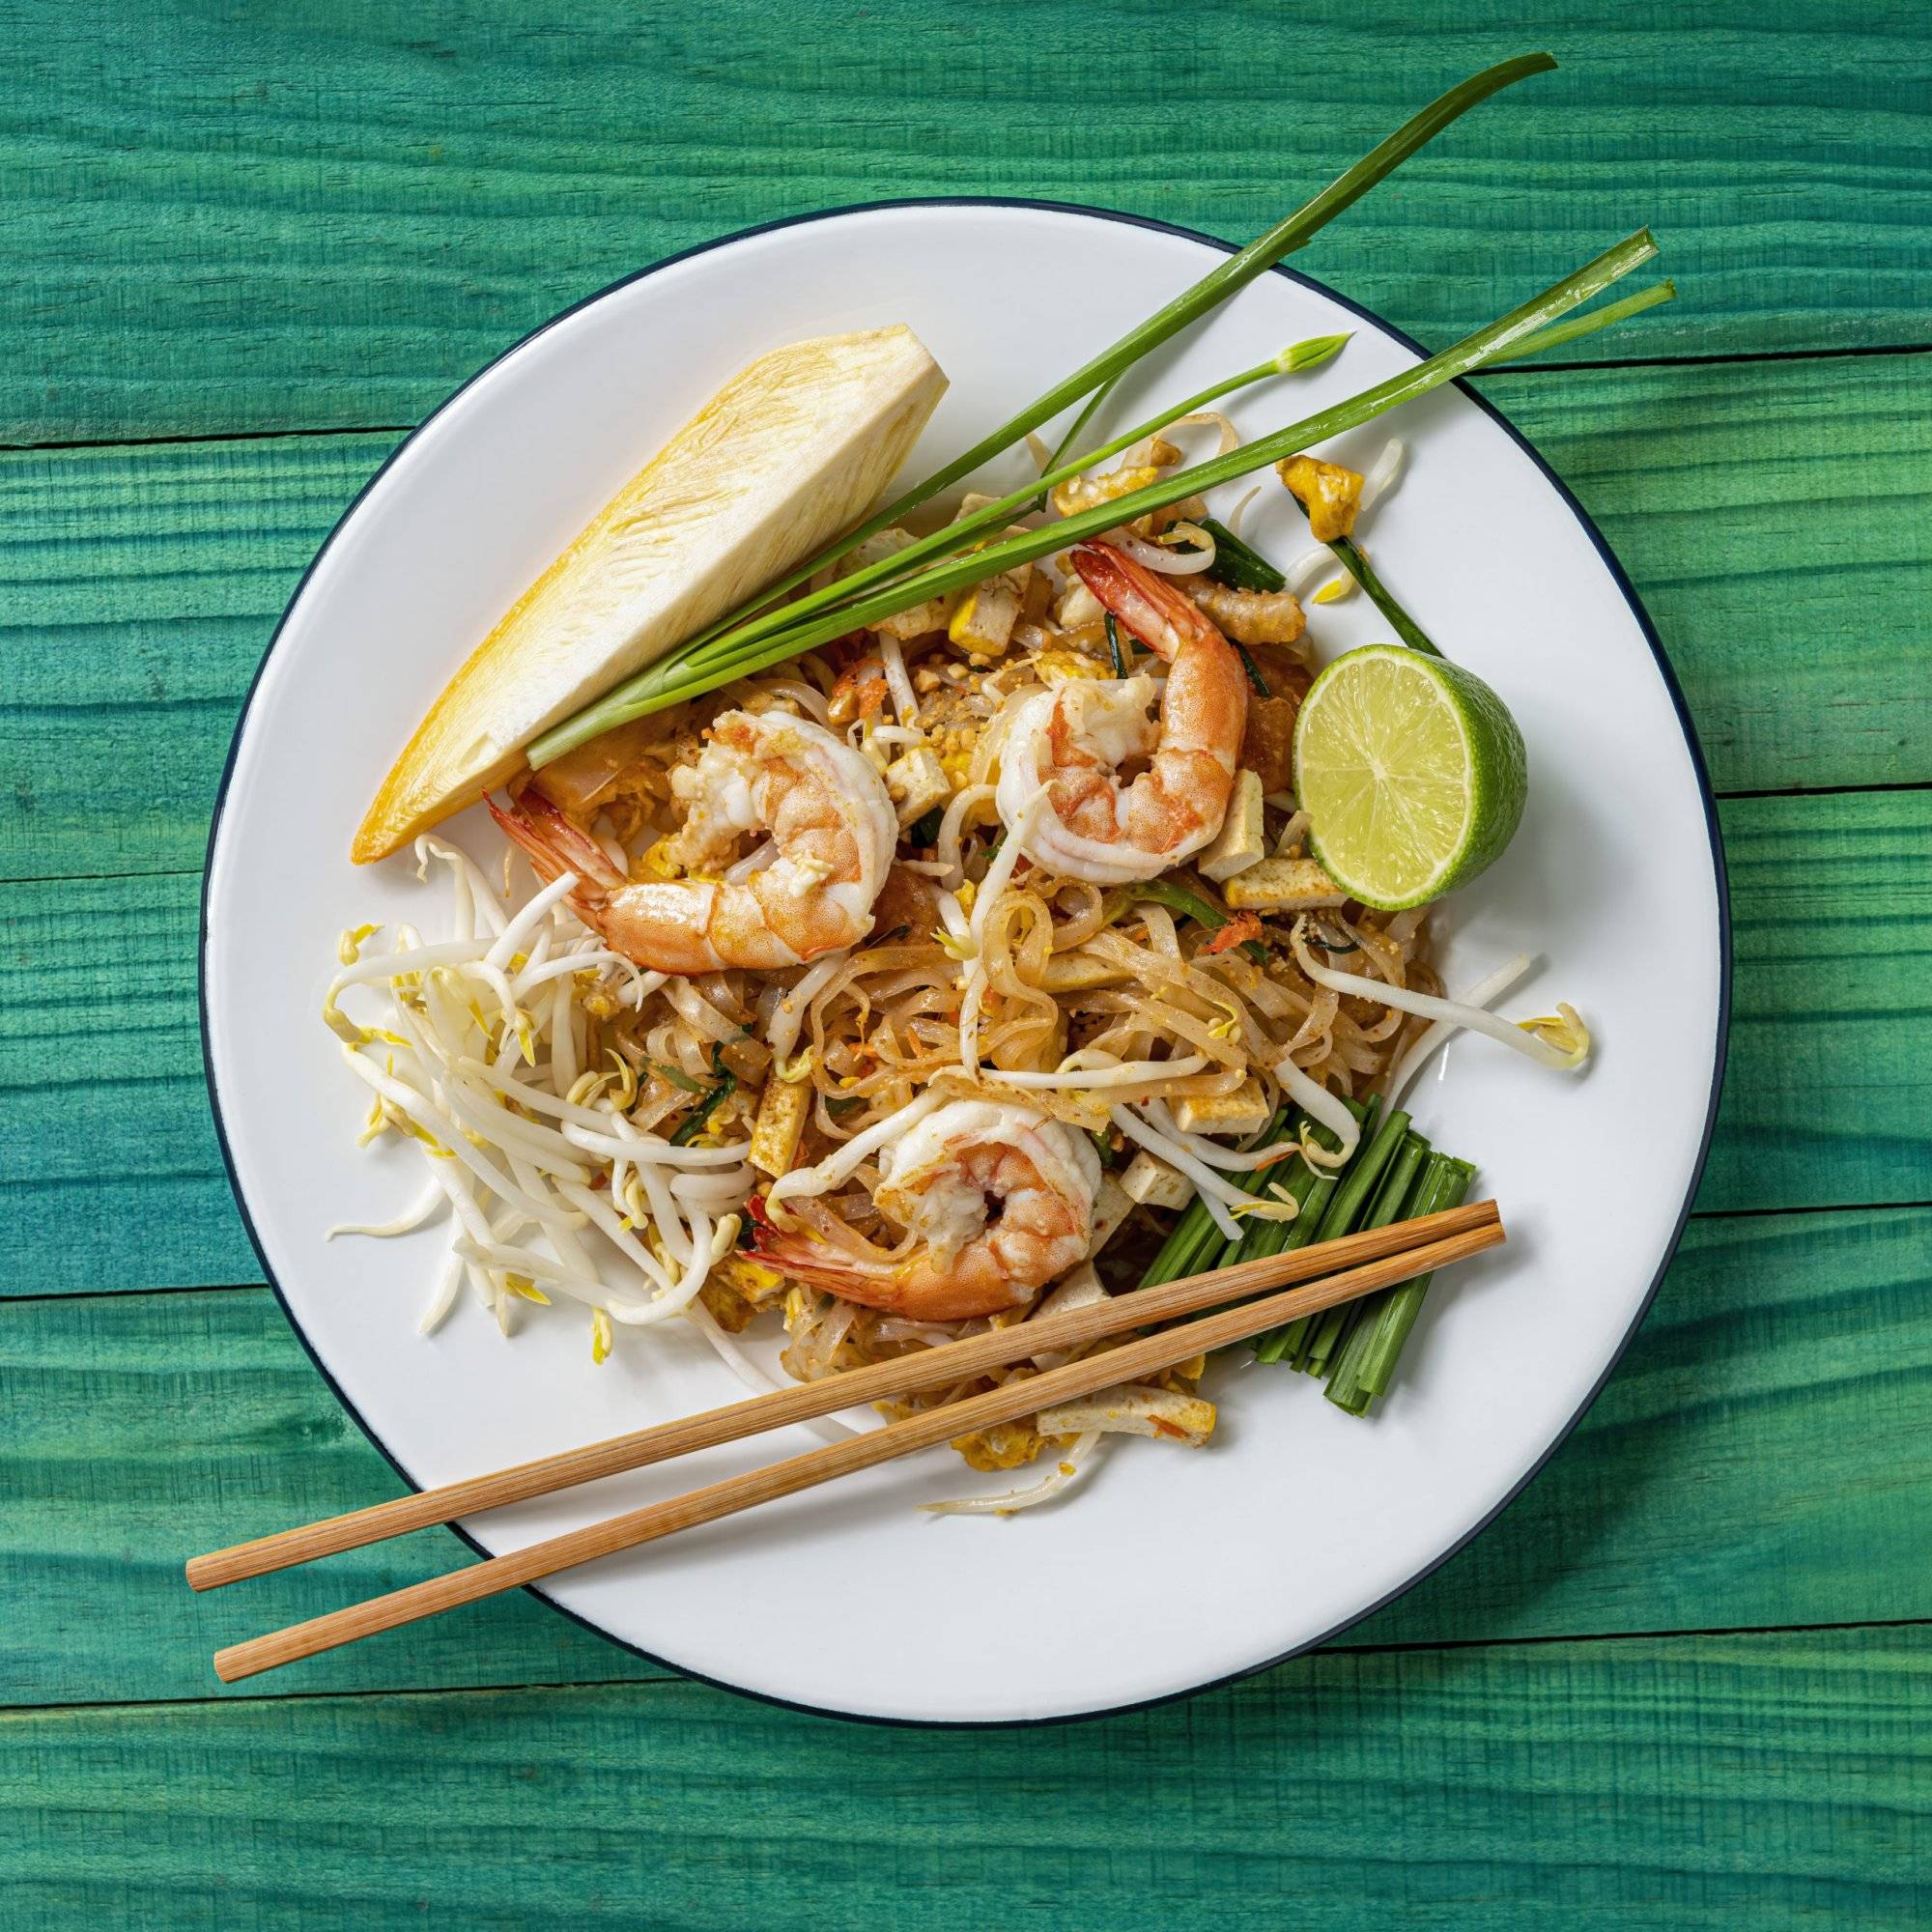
(1412, 771)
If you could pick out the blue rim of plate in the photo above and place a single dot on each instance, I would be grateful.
(1719, 878)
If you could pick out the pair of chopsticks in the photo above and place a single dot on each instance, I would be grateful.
(1377, 1258)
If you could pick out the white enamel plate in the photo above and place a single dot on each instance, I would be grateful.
(1166, 1569)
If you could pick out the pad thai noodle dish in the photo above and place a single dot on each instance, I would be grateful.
(912, 922)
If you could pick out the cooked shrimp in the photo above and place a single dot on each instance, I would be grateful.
(1072, 740)
(807, 891)
(999, 1198)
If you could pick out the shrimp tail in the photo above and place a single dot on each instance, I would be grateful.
(551, 843)
(1158, 614)
(804, 1257)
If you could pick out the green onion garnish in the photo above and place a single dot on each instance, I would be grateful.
(694, 670)
(1236, 564)
(1193, 906)
(1210, 292)
(693, 1125)
(678, 1077)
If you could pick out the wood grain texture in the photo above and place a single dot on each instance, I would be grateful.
(1825, 1102)
(1763, 1457)
(1691, 1782)
(141, 587)
(1830, 1062)
(316, 216)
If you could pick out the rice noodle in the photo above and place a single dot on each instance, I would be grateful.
(804, 696)
(1130, 1073)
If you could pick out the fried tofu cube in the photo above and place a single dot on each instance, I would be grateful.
(1154, 1184)
(1111, 1207)
(780, 1124)
(1239, 844)
(1135, 1409)
(1285, 885)
(920, 621)
(1244, 1111)
(982, 620)
(1080, 973)
(917, 782)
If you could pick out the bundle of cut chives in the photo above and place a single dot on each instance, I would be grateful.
(1394, 1174)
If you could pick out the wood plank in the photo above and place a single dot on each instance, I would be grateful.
(1790, 605)
(118, 1170)
(1831, 1059)
(1763, 1457)
(297, 218)
(1826, 1103)
(1719, 1782)
(142, 585)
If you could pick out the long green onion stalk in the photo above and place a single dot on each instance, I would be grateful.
(1350, 555)
(1389, 1204)
(1558, 333)
(695, 669)
(1351, 559)
(1220, 282)
(962, 534)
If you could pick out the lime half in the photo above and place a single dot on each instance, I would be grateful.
(1412, 771)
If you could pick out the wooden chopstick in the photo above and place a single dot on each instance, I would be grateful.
(1132, 1361)
(934, 1368)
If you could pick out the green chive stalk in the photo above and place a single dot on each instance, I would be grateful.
(1089, 410)
(693, 672)
(1236, 564)
(962, 534)
(1391, 1198)
(1351, 559)
(1220, 282)
(1621, 310)
(1314, 1189)
(1194, 1244)
(1346, 1199)
(1350, 556)
(1307, 354)
(1368, 1362)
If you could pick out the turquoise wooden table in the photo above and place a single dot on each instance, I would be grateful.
(1685, 1680)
